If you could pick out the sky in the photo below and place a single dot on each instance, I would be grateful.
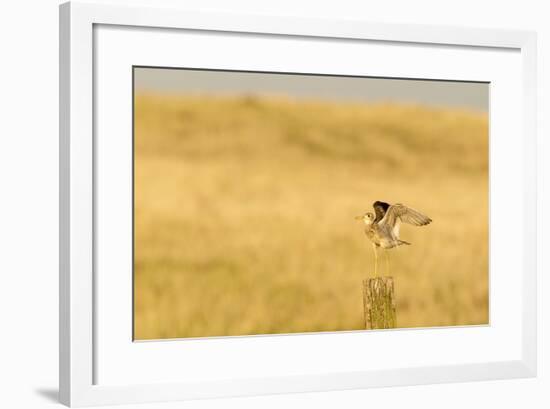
(467, 95)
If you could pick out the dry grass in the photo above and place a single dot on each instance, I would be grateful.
(244, 217)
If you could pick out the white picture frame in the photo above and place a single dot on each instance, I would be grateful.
(79, 339)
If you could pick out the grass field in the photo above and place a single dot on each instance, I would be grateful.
(244, 213)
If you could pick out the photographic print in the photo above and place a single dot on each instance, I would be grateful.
(278, 203)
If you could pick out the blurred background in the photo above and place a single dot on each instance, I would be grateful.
(246, 187)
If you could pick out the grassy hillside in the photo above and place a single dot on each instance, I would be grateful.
(244, 218)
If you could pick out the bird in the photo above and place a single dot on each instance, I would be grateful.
(382, 227)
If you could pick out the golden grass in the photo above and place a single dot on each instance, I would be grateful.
(244, 214)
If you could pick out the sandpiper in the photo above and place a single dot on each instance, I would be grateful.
(382, 227)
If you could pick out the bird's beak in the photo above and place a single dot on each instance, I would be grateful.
(358, 217)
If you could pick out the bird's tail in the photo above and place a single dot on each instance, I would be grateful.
(404, 242)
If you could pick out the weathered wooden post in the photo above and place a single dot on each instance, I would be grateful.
(379, 303)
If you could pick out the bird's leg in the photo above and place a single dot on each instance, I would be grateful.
(375, 259)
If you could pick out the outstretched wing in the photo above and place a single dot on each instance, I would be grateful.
(380, 209)
(398, 213)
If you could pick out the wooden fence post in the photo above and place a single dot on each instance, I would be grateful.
(379, 303)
